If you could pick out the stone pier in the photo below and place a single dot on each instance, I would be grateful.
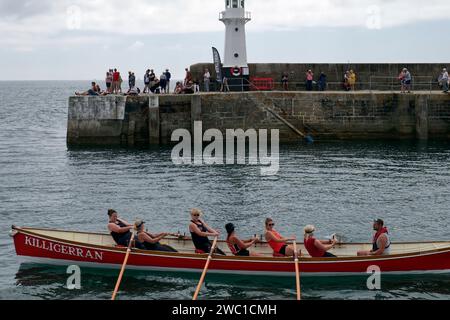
(146, 120)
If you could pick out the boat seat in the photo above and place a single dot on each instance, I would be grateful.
(278, 255)
(198, 251)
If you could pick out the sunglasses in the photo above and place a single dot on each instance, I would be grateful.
(196, 215)
(271, 224)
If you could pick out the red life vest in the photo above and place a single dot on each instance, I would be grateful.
(377, 235)
(276, 246)
(312, 249)
(234, 248)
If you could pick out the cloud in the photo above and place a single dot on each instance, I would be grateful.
(29, 24)
(136, 46)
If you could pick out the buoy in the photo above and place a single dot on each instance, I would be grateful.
(309, 139)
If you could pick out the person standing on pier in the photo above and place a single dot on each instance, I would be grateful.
(352, 80)
(444, 80)
(285, 81)
(147, 81)
(322, 82)
(168, 77)
(109, 81)
(116, 82)
(131, 80)
(163, 83)
(309, 80)
(188, 77)
(207, 80)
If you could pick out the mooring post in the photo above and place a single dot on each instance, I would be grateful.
(154, 120)
(421, 104)
(196, 110)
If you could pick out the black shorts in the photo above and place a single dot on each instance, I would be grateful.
(108, 85)
(328, 255)
(243, 253)
(283, 250)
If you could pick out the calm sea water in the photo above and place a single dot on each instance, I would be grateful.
(338, 186)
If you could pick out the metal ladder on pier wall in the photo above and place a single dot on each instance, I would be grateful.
(271, 109)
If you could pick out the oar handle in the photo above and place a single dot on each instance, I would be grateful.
(208, 261)
(122, 270)
(297, 271)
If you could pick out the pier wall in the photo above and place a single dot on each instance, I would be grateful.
(374, 76)
(144, 120)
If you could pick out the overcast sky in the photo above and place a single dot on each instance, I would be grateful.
(80, 39)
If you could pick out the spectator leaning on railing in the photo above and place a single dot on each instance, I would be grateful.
(444, 80)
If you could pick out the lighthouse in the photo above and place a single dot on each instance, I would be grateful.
(235, 66)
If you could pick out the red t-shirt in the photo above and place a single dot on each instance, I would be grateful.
(116, 76)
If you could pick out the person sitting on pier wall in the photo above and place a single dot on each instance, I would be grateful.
(237, 246)
(381, 242)
(148, 241)
(318, 248)
(134, 91)
(178, 88)
(200, 232)
(277, 242)
(120, 229)
(93, 91)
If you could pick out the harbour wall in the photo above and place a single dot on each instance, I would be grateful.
(370, 76)
(148, 120)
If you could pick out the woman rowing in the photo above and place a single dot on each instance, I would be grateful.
(237, 246)
(277, 242)
(148, 241)
(120, 229)
(200, 232)
(318, 248)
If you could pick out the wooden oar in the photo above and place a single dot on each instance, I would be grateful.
(122, 271)
(202, 278)
(297, 272)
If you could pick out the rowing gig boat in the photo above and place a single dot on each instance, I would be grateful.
(47, 246)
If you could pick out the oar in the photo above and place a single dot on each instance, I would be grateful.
(125, 261)
(297, 272)
(202, 278)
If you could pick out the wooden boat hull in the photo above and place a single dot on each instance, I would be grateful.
(33, 245)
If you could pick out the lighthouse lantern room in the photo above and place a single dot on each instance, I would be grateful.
(235, 57)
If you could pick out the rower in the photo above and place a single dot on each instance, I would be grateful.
(148, 241)
(200, 232)
(277, 242)
(120, 229)
(239, 247)
(381, 243)
(318, 248)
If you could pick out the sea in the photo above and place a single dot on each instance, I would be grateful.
(340, 187)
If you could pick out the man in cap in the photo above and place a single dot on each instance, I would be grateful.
(381, 243)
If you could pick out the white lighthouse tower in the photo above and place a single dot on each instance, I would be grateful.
(235, 57)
